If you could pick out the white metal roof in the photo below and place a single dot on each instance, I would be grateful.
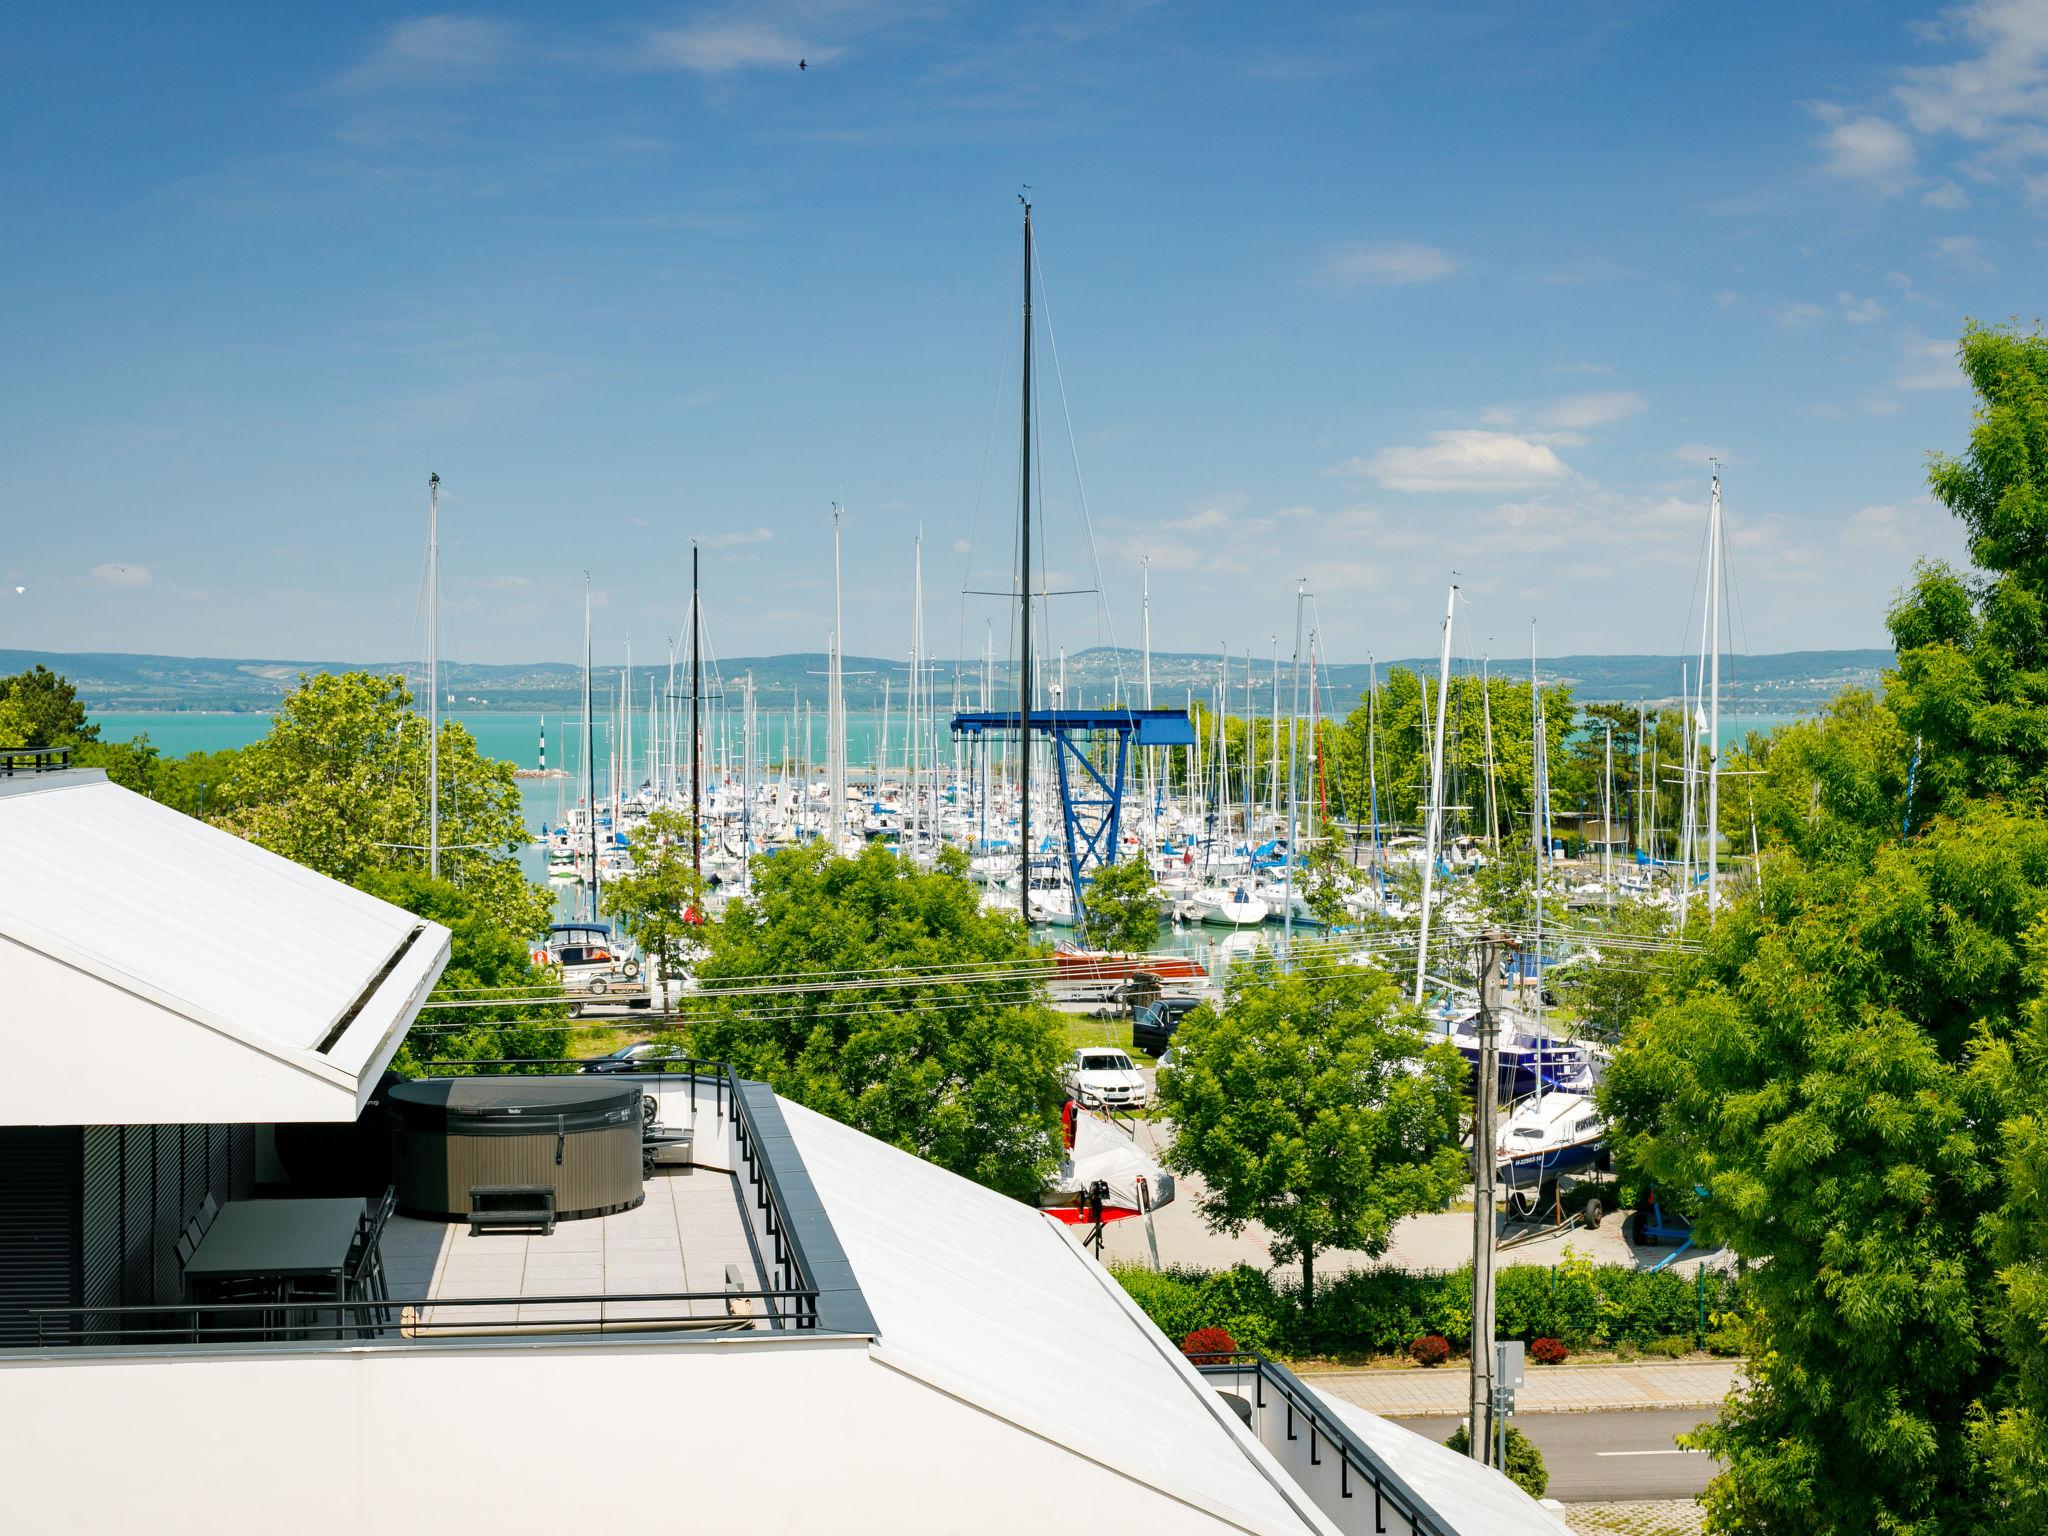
(1471, 1499)
(135, 928)
(992, 1300)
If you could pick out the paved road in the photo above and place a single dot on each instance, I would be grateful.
(1599, 1456)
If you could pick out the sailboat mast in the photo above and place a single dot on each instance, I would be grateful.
(1539, 806)
(1024, 606)
(696, 708)
(1486, 707)
(1293, 778)
(835, 709)
(589, 752)
(433, 674)
(1714, 698)
(1434, 824)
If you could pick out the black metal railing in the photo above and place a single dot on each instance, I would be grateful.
(321, 1319)
(16, 760)
(791, 1303)
(692, 1069)
(1274, 1387)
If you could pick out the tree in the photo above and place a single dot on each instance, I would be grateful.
(1825, 1073)
(661, 903)
(1314, 1105)
(484, 959)
(39, 708)
(1525, 1467)
(1123, 914)
(964, 1073)
(340, 785)
(1972, 678)
(1325, 882)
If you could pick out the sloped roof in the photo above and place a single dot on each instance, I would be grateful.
(993, 1302)
(1468, 1498)
(137, 929)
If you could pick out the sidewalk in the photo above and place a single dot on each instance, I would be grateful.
(1549, 1388)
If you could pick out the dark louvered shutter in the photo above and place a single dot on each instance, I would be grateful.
(39, 1180)
(241, 1162)
(167, 1215)
(193, 1143)
(99, 1220)
(138, 1215)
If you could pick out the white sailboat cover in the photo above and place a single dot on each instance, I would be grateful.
(1105, 1151)
(159, 970)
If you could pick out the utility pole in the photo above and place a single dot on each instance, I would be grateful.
(1481, 1403)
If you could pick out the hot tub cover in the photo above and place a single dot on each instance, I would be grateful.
(513, 1106)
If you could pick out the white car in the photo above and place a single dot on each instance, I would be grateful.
(1102, 1075)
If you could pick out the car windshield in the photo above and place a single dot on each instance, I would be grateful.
(1105, 1061)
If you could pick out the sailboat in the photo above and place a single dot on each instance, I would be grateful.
(1550, 1134)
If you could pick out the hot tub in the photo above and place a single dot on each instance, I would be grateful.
(578, 1136)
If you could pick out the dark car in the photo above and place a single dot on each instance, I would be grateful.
(1153, 1026)
(642, 1056)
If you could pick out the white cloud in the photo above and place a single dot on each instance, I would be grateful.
(1947, 195)
(1964, 254)
(1985, 97)
(117, 575)
(1594, 409)
(1701, 453)
(1928, 365)
(1583, 367)
(1593, 269)
(719, 47)
(736, 536)
(1464, 460)
(1859, 311)
(1795, 316)
(1727, 298)
(1867, 149)
(436, 48)
(1900, 528)
(1354, 266)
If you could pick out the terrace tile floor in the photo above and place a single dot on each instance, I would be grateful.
(681, 1238)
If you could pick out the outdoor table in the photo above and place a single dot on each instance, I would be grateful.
(265, 1245)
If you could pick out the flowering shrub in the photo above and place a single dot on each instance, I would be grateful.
(1208, 1346)
(1429, 1349)
(1548, 1351)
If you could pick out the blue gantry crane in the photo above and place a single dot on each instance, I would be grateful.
(1091, 801)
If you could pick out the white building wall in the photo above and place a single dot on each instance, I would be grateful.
(758, 1437)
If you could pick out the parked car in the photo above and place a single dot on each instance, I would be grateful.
(1104, 1076)
(1152, 1027)
(641, 1056)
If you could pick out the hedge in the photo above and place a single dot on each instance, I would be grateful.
(1377, 1311)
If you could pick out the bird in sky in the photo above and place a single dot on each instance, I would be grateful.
(803, 63)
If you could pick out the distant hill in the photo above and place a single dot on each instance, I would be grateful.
(1792, 682)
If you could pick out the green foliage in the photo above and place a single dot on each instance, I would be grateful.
(1821, 1078)
(966, 1075)
(1972, 678)
(1617, 983)
(340, 785)
(1325, 882)
(1525, 1463)
(38, 708)
(1312, 1105)
(661, 904)
(1123, 914)
(483, 958)
(1831, 787)
(1378, 1309)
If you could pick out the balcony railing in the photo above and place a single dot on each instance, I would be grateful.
(791, 1302)
(1359, 1470)
(307, 1319)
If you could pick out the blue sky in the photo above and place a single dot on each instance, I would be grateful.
(1360, 294)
